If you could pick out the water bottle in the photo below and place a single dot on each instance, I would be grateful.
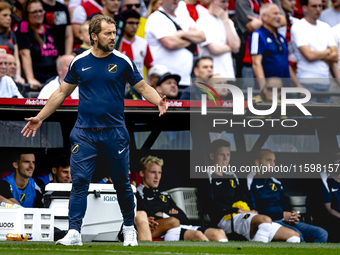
(6, 205)
(18, 237)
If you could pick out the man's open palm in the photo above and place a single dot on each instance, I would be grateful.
(33, 125)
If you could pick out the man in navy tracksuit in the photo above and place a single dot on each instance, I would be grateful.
(329, 197)
(268, 198)
(102, 73)
(229, 208)
(326, 201)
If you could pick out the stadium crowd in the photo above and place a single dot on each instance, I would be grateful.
(260, 44)
(247, 42)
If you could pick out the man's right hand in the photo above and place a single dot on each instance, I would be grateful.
(19, 79)
(328, 51)
(253, 24)
(159, 214)
(34, 84)
(291, 217)
(152, 223)
(179, 33)
(219, 12)
(243, 211)
(162, 106)
(173, 211)
(33, 125)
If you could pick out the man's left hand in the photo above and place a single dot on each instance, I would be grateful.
(152, 223)
(173, 211)
(162, 106)
(19, 79)
(295, 217)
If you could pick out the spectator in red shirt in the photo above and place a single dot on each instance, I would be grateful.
(135, 47)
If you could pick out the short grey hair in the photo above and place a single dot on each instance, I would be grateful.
(265, 8)
(60, 60)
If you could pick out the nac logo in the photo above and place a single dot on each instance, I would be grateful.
(75, 148)
(112, 68)
(109, 199)
(273, 186)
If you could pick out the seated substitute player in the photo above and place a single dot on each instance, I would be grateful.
(100, 130)
(147, 227)
(327, 209)
(228, 207)
(268, 198)
(160, 205)
(61, 172)
(19, 187)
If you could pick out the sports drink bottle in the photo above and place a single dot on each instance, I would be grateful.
(18, 237)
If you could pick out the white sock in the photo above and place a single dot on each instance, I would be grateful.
(172, 234)
(293, 239)
(223, 240)
(263, 232)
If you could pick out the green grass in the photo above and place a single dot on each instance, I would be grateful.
(164, 248)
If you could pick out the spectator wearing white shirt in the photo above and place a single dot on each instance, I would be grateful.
(72, 5)
(288, 7)
(331, 15)
(62, 67)
(8, 88)
(12, 72)
(169, 35)
(221, 38)
(192, 8)
(334, 84)
(81, 13)
(315, 50)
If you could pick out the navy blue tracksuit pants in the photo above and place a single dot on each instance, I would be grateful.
(86, 145)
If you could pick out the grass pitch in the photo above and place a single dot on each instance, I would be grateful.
(167, 248)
